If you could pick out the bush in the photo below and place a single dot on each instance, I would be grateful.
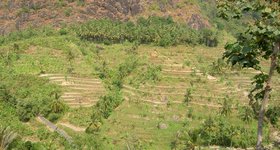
(216, 131)
(145, 74)
(273, 114)
(6, 96)
(53, 117)
(188, 96)
(246, 113)
(209, 37)
(107, 103)
(26, 110)
(27, 34)
(226, 107)
(218, 67)
(30, 95)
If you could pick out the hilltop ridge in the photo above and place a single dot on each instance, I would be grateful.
(20, 14)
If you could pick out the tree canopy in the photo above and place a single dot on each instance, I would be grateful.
(261, 41)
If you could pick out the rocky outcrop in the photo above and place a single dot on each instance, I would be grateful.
(115, 9)
(197, 22)
(20, 14)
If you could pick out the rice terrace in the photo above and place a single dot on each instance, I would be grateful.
(139, 74)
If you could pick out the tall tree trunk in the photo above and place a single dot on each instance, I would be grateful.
(266, 95)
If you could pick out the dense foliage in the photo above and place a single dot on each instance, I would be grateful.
(215, 131)
(261, 41)
(29, 94)
(114, 82)
(160, 31)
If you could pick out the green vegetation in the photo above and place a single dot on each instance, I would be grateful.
(29, 95)
(160, 31)
(260, 41)
(6, 137)
(114, 82)
(216, 131)
(151, 84)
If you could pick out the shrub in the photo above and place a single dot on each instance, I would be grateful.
(246, 113)
(53, 117)
(188, 96)
(218, 67)
(216, 131)
(26, 110)
(107, 103)
(209, 37)
(226, 107)
(27, 34)
(6, 96)
(67, 12)
(151, 73)
(29, 94)
(273, 114)
(42, 133)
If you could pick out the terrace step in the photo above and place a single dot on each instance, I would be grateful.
(70, 96)
(72, 127)
(80, 105)
(85, 89)
(63, 81)
(83, 85)
(65, 76)
(179, 71)
(80, 97)
(80, 92)
(84, 103)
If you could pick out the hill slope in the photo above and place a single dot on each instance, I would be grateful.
(20, 14)
(150, 84)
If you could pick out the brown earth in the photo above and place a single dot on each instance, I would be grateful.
(20, 14)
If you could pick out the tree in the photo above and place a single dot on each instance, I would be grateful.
(6, 138)
(261, 41)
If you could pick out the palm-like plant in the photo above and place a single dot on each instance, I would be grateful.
(6, 137)
(226, 106)
(246, 113)
(57, 106)
(188, 96)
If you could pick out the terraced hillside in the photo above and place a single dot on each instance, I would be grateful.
(125, 95)
(78, 92)
(154, 111)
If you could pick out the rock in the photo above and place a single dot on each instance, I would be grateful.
(99, 47)
(135, 9)
(245, 93)
(209, 77)
(154, 54)
(124, 7)
(162, 126)
(275, 137)
(197, 22)
(175, 118)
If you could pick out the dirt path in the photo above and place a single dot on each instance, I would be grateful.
(53, 127)
(179, 102)
(72, 127)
